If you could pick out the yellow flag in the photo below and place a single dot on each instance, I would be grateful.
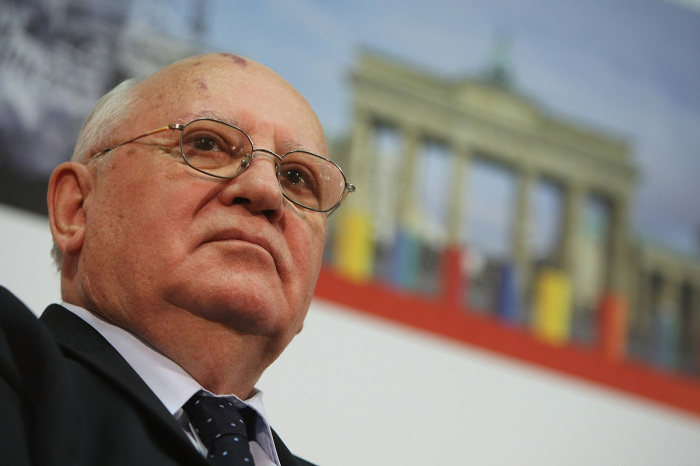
(354, 252)
(552, 310)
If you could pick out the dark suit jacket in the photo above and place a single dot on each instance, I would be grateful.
(67, 397)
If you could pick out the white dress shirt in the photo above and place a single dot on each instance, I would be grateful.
(174, 386)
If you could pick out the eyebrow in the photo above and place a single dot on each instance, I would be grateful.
(213, 116)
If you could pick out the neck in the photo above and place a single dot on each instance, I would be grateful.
(221, 359)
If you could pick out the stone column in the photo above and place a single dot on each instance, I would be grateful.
(360, 163)
(353, 228)
(695, 307)
(521, 238)
(406, 205)
(617, 280)
(668, 323)
(640, 306)
(573, 211)
(458, 197)
(643, 308)
(695, 322)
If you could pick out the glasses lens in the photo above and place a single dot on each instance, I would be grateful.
(216, 148)
(311, 181)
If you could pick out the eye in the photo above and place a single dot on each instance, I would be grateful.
(293, 177)
(297, 179)
(207, 150)
(205, 143)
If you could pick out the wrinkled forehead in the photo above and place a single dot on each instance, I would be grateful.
(237, 89)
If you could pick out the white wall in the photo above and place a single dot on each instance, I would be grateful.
(373, 393)
(26, 267)
(356, 390)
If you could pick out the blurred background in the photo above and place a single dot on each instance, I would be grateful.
(527, 200)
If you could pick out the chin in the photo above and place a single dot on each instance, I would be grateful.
(251, 305)
(249, 314)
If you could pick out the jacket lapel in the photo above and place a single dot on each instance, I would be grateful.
(286, 457)
(79, 340)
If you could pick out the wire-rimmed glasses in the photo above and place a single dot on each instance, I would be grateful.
(222, 150)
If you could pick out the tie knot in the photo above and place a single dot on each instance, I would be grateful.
(218, 422)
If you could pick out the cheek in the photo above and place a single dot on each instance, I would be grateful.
(306, 248)
(133, 214)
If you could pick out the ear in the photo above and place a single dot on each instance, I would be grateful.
(69, 186)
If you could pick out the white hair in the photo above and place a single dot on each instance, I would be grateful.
(111, 111)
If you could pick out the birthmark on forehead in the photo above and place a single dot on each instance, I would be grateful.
(197, 63)
(238, 60)
(202, 84)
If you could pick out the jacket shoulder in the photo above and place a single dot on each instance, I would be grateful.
(56, 391)
(33, 385)
(26, 346)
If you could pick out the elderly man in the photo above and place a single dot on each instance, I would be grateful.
(189, 228)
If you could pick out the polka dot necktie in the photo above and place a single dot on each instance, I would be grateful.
(221, 428)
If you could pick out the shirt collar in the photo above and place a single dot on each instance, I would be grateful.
(170, 382)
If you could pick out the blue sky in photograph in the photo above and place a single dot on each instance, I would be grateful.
(627, 67)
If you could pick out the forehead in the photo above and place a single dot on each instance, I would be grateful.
(237, 90)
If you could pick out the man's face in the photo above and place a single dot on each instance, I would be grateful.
(162, 239)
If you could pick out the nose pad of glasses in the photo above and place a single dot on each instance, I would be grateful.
(246, 161)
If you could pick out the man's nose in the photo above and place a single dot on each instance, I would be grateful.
(257, 188)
